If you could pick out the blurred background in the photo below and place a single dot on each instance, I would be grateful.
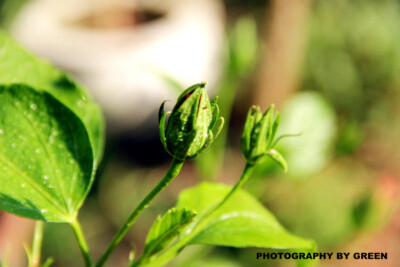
(331, 67)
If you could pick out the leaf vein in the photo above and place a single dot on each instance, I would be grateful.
(30, 181)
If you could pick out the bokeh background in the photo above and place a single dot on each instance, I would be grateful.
(331, 66)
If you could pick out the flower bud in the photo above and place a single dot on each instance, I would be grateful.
(189, 129)
(258, 137)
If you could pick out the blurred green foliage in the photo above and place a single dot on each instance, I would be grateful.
(353, 58)
(322, 207)
(353, 55)
(352, 63)
(310, 114)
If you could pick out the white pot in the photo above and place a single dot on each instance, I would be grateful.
(120, 66)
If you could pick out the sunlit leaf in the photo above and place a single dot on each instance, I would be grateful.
(19, 67)
(241, 222)
(46, 160)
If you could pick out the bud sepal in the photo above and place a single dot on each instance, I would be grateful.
(258, 137)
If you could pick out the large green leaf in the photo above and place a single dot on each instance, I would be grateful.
(19, 67)
(166, 228)
(46, 160)
(241, 222)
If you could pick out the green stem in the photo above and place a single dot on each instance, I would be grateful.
(204, 219)
(173, 251)
(172, 172)
(6, 260)
(76, 227)
(37, 244)
(248, 170)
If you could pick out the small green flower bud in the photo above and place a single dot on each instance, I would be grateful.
(258, 137)
(190, 127)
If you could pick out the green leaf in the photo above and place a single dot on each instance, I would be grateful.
(166, 228)
(241, 222)
(46, 161)
(19, 67)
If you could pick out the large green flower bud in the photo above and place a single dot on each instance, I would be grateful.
(258, 138)
(190, 127)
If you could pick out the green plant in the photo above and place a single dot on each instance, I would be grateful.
(51, 139)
